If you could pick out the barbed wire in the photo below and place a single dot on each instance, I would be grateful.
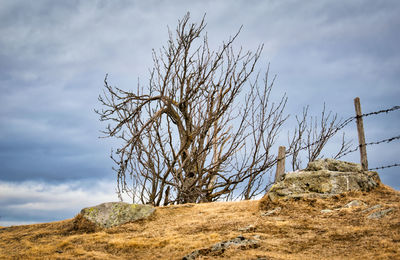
(337, 129)
(349, 152)
(348, 121)
(345, 123)
(381, 111)
(384, 140)
(388, 140)
(351, 119)
(384, 167)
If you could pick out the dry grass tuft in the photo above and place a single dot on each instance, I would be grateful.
(299, 230)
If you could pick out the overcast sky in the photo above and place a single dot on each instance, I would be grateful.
(54, 56)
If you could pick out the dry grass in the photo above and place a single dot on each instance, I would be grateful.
(298, 231)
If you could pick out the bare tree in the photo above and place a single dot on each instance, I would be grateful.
(296, 141)
(201, 129)
(312, 134)
(319, 132)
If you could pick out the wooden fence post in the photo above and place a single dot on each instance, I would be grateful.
(361, 135)
(280, 166)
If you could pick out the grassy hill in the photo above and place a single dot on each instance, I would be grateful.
(298, 230)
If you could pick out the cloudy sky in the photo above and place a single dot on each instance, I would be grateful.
(54, 56)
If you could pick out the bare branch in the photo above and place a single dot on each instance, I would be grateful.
(184, 135)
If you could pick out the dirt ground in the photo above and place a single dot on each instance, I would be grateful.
(298, 231)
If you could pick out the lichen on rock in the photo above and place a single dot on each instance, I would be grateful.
(112, 214)
(324, 178)
(333, 165)
(218, 249)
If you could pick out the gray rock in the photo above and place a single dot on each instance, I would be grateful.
(333, 165)
(112, 214)
(372, 208)
(354, 203)
(324, 178)
(326, 211)
(249, 228)
(257, 237)
(271, 212)
(380, 214)
(239, 242)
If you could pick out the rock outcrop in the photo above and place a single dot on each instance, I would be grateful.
(218, 249)
(324, 178)
(112, 214)
(380, 214)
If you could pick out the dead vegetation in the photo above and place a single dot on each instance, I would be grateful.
(298, 231)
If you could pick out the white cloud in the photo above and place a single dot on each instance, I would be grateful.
(30, 202)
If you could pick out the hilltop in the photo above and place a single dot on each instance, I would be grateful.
(298, 230)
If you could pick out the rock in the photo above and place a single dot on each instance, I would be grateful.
(333, 165)
(351, 204)
(380, 214)
(112, 214)
(271, 212)
(354, 203)
(372, 208)
(249, 228)
(239, 242)
(257, 237)
(324, 178)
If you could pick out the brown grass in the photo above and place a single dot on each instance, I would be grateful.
(298, 231)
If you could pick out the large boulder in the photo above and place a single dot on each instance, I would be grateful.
(323, 178)
(112, 214)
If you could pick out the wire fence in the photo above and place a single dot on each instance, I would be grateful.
(350, 120)
(283, 153)
(371, 143)
(384, 167)
(387, 140)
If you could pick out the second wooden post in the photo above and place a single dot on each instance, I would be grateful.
(361, 135)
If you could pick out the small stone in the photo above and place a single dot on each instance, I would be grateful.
(271, 212)
(380, 214)
(326, 211)
(354, 203)
(239, 242)
(249, 228)
(372, 208)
